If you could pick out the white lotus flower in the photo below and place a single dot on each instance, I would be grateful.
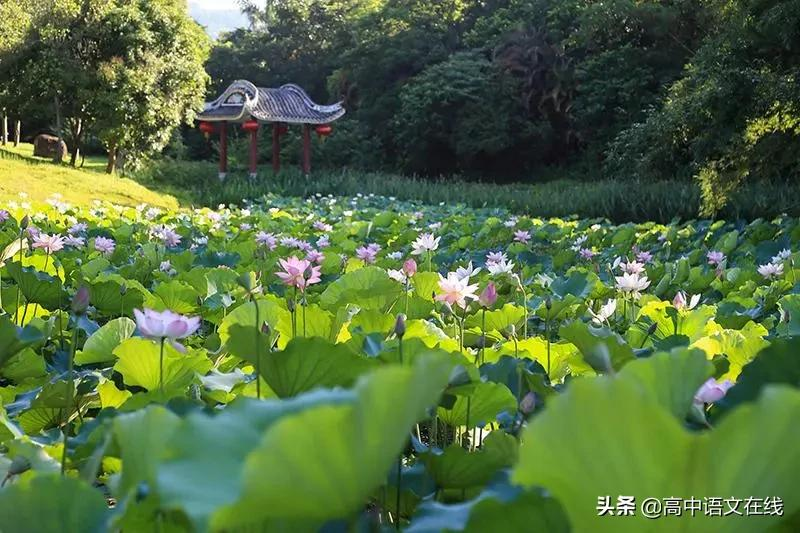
(503, 267)
(467, 272)
(632, 267)
(426, 242)
(682, 304)
(604, 313)
(771, 270)
(782, 256)
(632, 284)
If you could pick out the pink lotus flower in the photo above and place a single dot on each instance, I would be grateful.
(4, 215)
(165, 324)
(323, 242)
(771, 270)
(586, 254)
(632, 267)
(711, 391)
(456, 290)
(104, 245)
(167, 235)
(489, 295)
(49, 243)
(644, 257)
(522, 236)
(298, 273)
(715, 258)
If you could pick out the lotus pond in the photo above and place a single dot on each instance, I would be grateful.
(363, 364)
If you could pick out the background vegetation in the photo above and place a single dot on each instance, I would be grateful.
(700, 93)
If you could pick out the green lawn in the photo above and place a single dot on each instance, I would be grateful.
(20, 172)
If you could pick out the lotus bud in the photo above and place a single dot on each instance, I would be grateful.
(489, 295)
(265, 329)
(548, 303)
(400, 325)
(528, 403)
(290, 304)
(80, 302)
(25, 222)
(410, 267)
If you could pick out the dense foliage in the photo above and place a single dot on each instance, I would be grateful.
(654, 90)
(125, 73)
(345, 363)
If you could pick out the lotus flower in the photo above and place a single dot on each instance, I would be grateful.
(298, 273)
(771, 270)
(104, 245)
(502, 267)
(605, 312)
(783, 255)
(315, 256)
(74, 241)
(456, 290)
(522, 236)
(266, 240)
(715, 258)
(632, 267)
(586, 254)
(78, 227)
(49, 243)
(632, 284)
(496, 257)
(467, 272)
(367, 254)
(425, 243)
(644, 257)
(711, 391)
(165, 324)
(682, 304)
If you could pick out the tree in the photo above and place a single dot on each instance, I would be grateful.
(129, 72)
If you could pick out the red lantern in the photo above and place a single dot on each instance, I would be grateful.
(250, 126)
(207, 128)
(323, 130)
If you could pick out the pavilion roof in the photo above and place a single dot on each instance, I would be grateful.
(288, 103)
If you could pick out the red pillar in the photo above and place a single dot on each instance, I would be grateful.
(223, 150)
(306, 160)
(276, 147)
(253, 153)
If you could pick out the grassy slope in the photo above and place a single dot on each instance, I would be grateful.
(21, 172)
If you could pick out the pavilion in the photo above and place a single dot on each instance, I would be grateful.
(250, 106)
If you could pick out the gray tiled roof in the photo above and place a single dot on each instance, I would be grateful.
(288, 103)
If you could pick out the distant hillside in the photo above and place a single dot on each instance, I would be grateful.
(218, 21)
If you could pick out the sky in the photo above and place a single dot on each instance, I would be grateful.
(217, 15)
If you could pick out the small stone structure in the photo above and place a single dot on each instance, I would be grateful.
(47, 145)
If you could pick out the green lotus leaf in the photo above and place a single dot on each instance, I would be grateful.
(457, 468)
(608, 436)
(138, 362)
(52, 503)
(99, 347)
(601, 348)
(368, 288)
(483, 400)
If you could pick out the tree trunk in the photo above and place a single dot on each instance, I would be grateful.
(17, 132)
(59, 157)
(112, 159)
(77, 135)
(5, 128)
